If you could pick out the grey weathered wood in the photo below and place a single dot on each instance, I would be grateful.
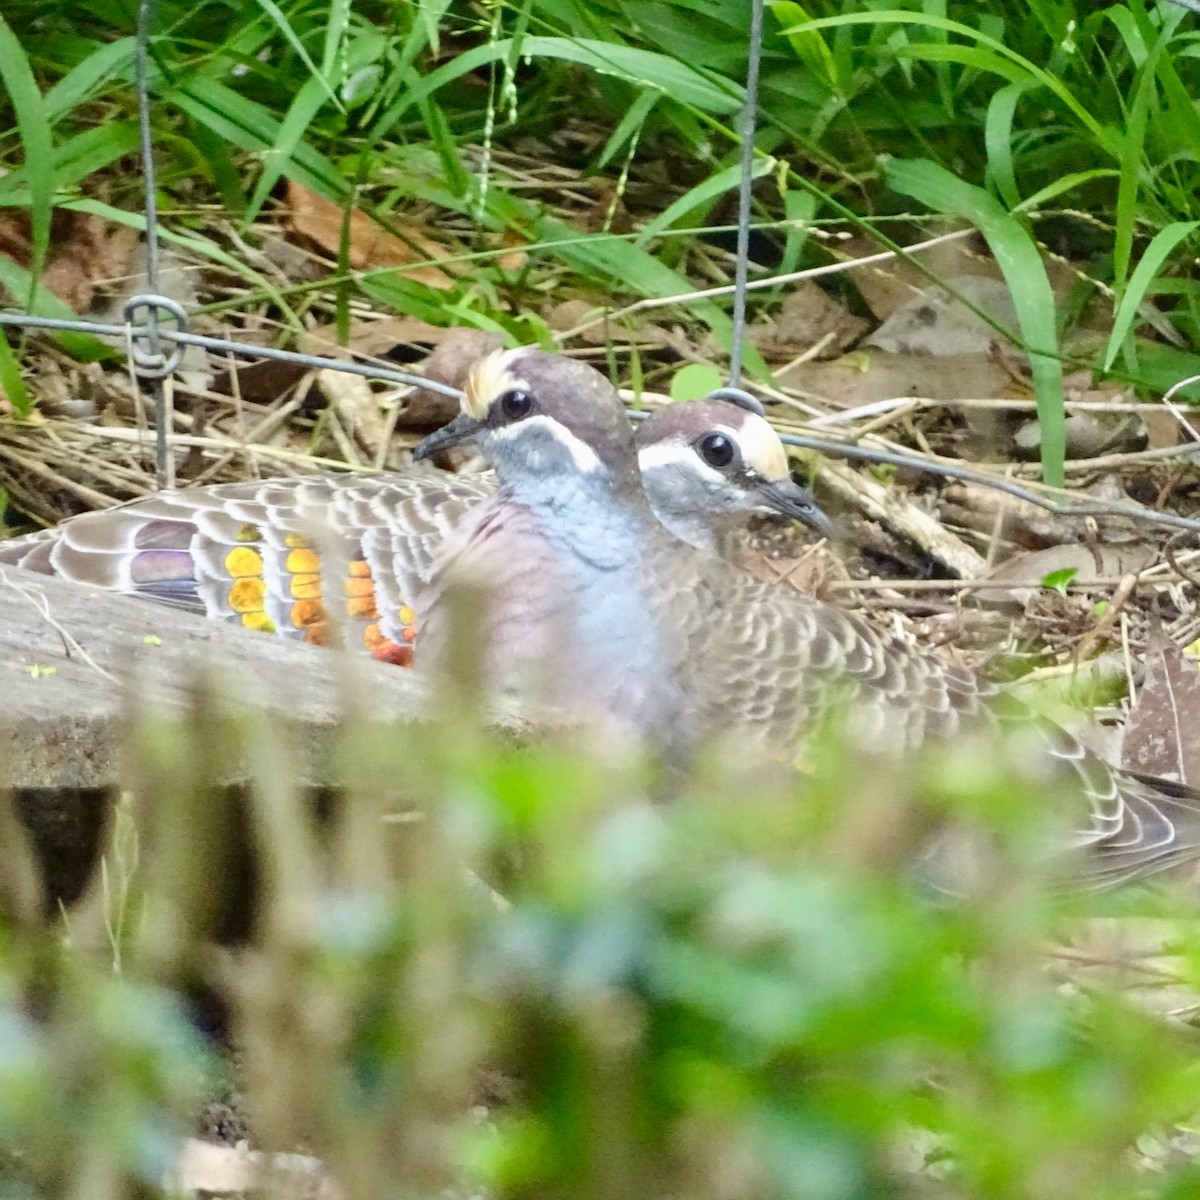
(73, 657)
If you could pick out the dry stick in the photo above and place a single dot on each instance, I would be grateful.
(971, 585)
(1108, 619)
(252, 441)
(900, 514)
(85, 493)
(772, 281)
(211, 443)
(42, 605)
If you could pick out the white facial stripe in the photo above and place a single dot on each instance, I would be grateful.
(762, 451)
(674, 453)
(582, 455)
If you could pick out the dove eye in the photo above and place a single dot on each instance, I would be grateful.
(716, 449)
(516, 404)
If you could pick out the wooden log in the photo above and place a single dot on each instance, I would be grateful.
(73, 657)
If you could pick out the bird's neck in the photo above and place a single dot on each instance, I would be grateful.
(587, 517)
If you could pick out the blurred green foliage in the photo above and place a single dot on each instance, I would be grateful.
(501, 970)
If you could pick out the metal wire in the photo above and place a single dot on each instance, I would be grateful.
(225, 346)
(151, 364)
(145, 340)
(747, 123)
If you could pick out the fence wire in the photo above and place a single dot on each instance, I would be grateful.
(155, 329)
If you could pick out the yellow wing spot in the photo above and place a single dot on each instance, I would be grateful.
(242, 561)
(249, 533)
(259, 621)
(302, 561)
(305, 587)
(406, 615)
(294, 541)
(246, 595)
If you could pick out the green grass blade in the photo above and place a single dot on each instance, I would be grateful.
(1018, 259)
(997, 136)
(1100, 134)
(644, 68)
(250, 126)
(1129, 186)
(276, 14)
(37, 143)
(629, 126)
(278, 158)
(18, 283)
(11, 379)
(700, 195)
(1157, 253)
(109, 64)
(1067, 183)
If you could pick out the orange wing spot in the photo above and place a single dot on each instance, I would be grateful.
(260, 621)
(362, 608)
(302, 561)
(317, 635)
(242, 561)
(409, 634)
(358, 586)
(398, 656)
(246, 595)
(305, 587)
(306, 614)
(383, 649)
(360, 569)
(249, 533)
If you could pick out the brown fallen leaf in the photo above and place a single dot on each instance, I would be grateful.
(866, 375)
(1089, 562)
(372, 247)
(1160, 735)
(454, 355)
(87, 254)
(810, 318)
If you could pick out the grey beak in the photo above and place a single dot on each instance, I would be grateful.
(460, 430)
(786, 496)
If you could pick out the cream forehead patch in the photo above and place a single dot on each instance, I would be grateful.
(490, 377)
(762, 451)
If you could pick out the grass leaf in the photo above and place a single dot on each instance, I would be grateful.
(1023, 270)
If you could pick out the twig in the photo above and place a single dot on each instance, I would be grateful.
(42, 605)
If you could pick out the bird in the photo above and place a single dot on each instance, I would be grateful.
(595, 609)
(269, 554)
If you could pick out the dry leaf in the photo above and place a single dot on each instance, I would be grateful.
(457, 352)
(937, 322)
(1089, 562)
(864, 376)
(809, 318)
(371, 245)
(887, 286)
(357, 405)
(87, 254)
(1160, 736)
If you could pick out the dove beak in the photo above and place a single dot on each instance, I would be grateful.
(789, 498)
(462, 429)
